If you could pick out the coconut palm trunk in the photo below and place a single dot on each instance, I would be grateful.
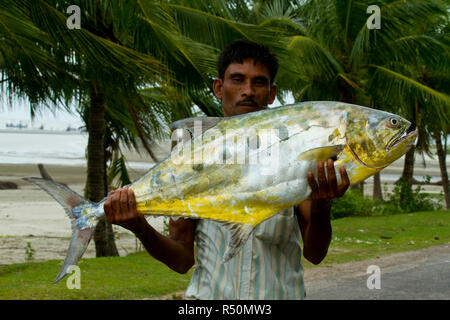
(408, 167)
(96, 180)
(406, 180)
(377, 192)
(442, 167)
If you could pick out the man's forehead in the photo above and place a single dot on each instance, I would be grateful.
(248, 66)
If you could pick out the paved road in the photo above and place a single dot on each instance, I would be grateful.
(419, 275)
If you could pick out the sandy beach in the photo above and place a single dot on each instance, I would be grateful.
(28, 214)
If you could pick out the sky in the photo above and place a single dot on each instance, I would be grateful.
(19, 112)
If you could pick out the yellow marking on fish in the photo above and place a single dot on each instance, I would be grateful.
(356, 170)
(258, 211)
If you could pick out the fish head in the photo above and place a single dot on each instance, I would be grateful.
(377, 138)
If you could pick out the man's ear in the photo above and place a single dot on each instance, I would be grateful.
(273, 93)
(217, 87)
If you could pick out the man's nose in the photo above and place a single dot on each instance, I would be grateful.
(247, 89)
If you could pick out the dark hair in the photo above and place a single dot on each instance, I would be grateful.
(241, 49)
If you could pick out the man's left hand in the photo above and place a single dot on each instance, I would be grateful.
(328, 189)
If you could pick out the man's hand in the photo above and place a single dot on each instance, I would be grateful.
(120, 209)
(328, 189)
(176, 251)
(314, 215)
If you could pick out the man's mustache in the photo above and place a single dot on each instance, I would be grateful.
(247, 101)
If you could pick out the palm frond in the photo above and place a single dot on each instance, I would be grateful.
(281, 14)
(401, 37)
(95, 50)
(314, 60)
(404, 91)
(205, 27)
(118, 171)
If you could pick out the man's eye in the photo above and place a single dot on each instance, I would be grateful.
(260, 82)
(237, 79)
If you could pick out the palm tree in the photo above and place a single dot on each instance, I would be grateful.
(439, 79)
(67, 63)
(104, 65)
(339, 58)
(420, 96)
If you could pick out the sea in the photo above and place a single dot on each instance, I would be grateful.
(64, 148)
(51, 147)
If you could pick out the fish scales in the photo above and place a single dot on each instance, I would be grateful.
(236, 178)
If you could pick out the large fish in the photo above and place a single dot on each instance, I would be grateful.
(244, 169)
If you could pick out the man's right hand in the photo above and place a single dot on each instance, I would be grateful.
(120, 209)
(176, 251)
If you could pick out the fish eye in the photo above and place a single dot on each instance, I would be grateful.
(394, 122)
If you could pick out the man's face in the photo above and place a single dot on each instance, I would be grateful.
(245, 88)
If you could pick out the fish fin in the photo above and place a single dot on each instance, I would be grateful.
(195, 125)
(83, 218)
(77, 247)
(66, 197)
(321, 153)
(239, 235)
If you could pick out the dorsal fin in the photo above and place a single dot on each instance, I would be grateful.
(195, 125)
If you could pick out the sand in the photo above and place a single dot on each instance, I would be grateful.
(29, 215)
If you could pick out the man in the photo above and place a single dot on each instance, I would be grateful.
(269, 264)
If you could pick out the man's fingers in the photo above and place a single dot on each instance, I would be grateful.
(123, 204)
(322, 179)
(115, 206)
(108, 210)
(120, 207)
(132, 213)
(313, 185)
(332, 182)
(345, 181)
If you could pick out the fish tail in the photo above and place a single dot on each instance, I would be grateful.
(84, 216)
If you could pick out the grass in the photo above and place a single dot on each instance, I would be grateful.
(139, 276)
(360, 238)
(135, 276)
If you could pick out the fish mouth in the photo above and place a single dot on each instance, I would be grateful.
(401, 136)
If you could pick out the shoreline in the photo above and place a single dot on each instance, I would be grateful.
(66, 174)
(34, 131)
(30, 215)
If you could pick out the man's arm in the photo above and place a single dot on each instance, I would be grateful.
(314, 215)
(176, 251)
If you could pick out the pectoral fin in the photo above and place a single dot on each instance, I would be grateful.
(239, 235)
(321, 154)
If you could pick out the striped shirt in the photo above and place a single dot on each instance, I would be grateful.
(267, 267)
